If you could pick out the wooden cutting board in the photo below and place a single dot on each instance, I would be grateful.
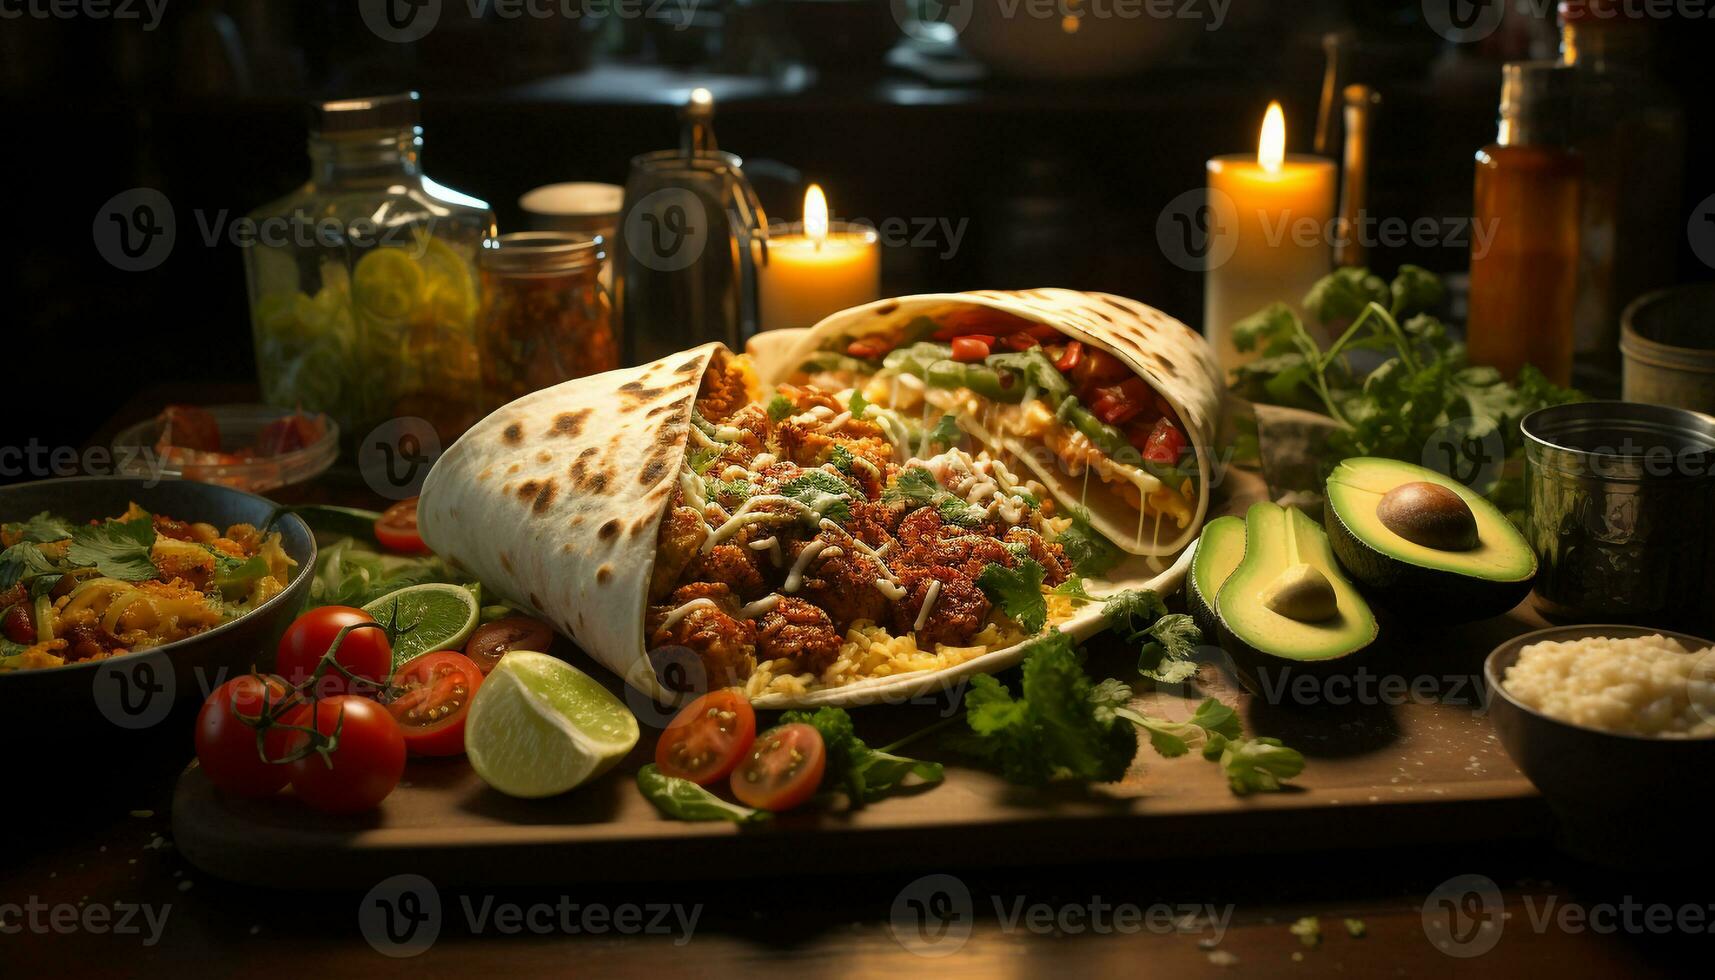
(1410, 758)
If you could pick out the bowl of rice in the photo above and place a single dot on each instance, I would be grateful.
(1615, 726)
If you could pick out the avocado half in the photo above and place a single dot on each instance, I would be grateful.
(1267, 647)
(1219, 549)
(1454, 584)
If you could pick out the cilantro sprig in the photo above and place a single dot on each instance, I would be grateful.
(1017, 591)
(863, 773)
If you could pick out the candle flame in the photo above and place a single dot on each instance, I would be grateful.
(1271, 147)
(816, 214)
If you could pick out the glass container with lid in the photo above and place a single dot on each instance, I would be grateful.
(363, 294)
(545, 315)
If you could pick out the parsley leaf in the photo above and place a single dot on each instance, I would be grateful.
(701, 459)
(956, 511)
(864, 773)
(822, 492)
(779, 407)
(842, 459)
(1074, 587)
(682, 799)
(1086, 549)
(1253, 764)
(120, 549)
(1167, 642)
(1053, 729)
(23, 560)
(915, 486)
(857, 404)
(1018, 592)
(44, 528)
(945, 433)
(731, 490)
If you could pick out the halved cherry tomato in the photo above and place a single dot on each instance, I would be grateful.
(431, 697)
(705, 742)
(782, 769)
(1165, 443)
(868, 349)
(491, 641)
(366, 652)
(970, 349)
(397, 529)
(1099, 368)
(226, 746)
(365, 763)
(1119, 404)
(1070, 360)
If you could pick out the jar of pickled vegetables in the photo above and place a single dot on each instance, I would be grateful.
(363, 290)
(546, 317)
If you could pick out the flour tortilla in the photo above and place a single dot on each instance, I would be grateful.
(1174, 359)
(555, 502)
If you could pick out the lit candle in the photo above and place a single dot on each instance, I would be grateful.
(1272, 220)
(817, 268)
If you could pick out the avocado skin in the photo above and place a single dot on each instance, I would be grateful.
(1258, 671)
(1415, 592)
(1201, 607)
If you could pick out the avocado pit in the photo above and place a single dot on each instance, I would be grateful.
(1429, 514)
(1303, 593)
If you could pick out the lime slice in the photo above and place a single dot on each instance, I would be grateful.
(421, 618)
(539, 726)
(386, 284)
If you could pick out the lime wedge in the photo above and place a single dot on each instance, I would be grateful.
(539, 726)
(421, 618)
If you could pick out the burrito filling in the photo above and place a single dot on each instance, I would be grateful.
(1071, 406)
(807, 547)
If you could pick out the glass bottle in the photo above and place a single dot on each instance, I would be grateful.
(1524, 245)
(1630, 132)
(363, 291)
(545, 315)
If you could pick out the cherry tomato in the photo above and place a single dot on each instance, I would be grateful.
(366, 652)
(1020, 340)
(17, 624)
(705, 742)
(397, 529)
(1070, 360)
(367, 759)
(867, 349)
(969, 349)
(226, 746)
(431, 697)
(492, 641)
(1123, 402)
(1165, 443)
(782, 769)
(189, 427)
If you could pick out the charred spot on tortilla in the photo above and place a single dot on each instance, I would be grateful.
(694, 364)
(886, 309)
(570, 423)
(609, 530)
(545, 497)
(535, 601)
(637, 390)
(487, 471)
(544, 457)
(506, 562)
(604, 575)
(513, 433)
(652, 471)
(514, 468)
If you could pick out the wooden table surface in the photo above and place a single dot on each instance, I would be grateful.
(92, 884)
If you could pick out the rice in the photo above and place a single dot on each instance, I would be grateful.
(870, 651)
(1645, 685)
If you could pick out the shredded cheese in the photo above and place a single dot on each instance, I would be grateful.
(928, 604)
(681, 612)
(760, 607)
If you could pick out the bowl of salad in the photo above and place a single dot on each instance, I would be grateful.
(123, 598)
(247, 447)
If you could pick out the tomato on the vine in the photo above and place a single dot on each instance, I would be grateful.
(431, 699)
(226, 743)
(366, 653)
(362, 767)
(706, 740)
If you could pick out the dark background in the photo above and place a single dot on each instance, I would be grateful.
(1061, 182)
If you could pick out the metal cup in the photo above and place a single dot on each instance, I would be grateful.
(1621, 512)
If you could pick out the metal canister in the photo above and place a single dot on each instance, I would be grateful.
(1668, 341)
(1621, 512)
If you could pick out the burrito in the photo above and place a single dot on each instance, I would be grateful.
(692, 531)
(1111, 404)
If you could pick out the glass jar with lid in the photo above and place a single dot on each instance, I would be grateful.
(363, 291)
(545, 315)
